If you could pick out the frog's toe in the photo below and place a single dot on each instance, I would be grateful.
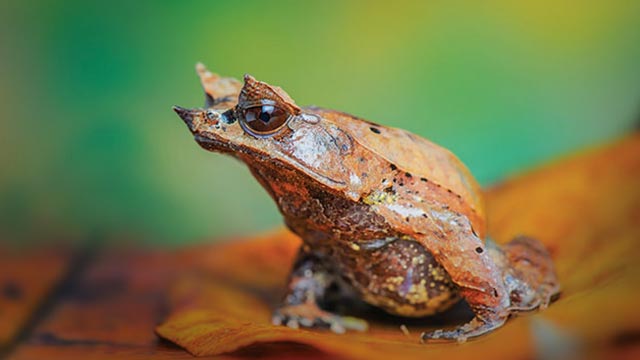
(443, 335)
(474, 328)
(310, 315)
(539, 301)
(548, 295)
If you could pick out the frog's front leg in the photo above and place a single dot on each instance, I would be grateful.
(309, 281)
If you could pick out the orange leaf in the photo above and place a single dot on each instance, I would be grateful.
(586, 209)
(24, 285)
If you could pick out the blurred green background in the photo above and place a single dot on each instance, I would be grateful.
(89, 144)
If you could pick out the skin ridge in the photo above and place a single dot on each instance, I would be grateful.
(418, 182)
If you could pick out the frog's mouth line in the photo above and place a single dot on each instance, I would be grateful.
(214, 145)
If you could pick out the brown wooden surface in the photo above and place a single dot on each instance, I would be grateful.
(107, 304)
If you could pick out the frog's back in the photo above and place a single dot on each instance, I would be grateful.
(420, 158)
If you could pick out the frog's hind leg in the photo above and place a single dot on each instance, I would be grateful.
(479, 278)
(497, 282)
(309, 284)
(529, 275)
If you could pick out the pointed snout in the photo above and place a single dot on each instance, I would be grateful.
(187, 115)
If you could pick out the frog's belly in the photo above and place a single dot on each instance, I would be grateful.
(398, 276)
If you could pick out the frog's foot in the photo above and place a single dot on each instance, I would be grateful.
(474, 328)
(548, 294)
(310, 315)
(544, 296)
(530, 276)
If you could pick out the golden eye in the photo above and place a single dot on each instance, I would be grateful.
(263, 120)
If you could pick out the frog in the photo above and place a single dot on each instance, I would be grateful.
(383, 214)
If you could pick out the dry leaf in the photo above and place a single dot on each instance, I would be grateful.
(586, 209)
(26, 279)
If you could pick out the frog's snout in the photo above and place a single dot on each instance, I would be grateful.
(199, 119)
(188, 116)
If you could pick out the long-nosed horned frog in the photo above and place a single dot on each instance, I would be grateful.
(395, 218)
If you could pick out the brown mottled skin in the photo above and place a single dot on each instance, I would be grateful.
(394, 218)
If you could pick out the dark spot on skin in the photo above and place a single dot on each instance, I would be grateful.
(228, 117)
(401, 183)
(449, 191)
(424, 179)
(344, 147)
(12, 291)
(515, 296)
(495, 293)
(425, 216)
(394, 181)
(406, 219)
(407, 175)
(364, 175)
(375, 130)
(479, 250)
(361, 159)
(393, 167)
(384, 181)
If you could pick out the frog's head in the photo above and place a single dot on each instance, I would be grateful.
(262, 126)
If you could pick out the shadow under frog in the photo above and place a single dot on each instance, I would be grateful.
(385, 216)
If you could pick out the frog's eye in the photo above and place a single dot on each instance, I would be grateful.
(263, 120)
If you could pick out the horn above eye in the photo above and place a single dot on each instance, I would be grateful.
(263, 120)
